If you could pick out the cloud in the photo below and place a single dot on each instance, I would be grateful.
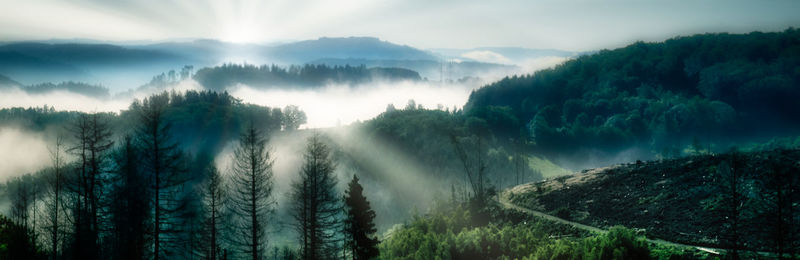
(487, 56)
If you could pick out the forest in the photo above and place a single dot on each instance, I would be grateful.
(228, 75)
(653, 98)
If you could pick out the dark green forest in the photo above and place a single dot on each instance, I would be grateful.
(657, 98)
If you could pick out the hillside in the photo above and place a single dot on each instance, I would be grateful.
(698, 200)
(345, 48)
(654, 99)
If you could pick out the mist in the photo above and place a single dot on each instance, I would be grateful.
(23, 152)
(335, 105)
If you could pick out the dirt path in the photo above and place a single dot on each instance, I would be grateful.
(505, 202)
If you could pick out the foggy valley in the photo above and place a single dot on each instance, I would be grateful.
(399, 130)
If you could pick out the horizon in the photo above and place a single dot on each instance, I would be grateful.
(572, 26)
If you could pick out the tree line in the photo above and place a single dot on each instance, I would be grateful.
(138, 194)
(309, 75)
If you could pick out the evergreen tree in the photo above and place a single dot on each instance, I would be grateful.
(359, 223)
(316, 207)
(213, 199)
(162, 162)
(253, 201)
(131, 209)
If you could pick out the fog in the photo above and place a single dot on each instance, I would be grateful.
(341, 105)
(22, 152)
(394, 183)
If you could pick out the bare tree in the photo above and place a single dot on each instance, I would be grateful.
(53, 207)
(253, 182)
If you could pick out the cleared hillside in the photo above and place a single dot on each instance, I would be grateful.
(699, 200)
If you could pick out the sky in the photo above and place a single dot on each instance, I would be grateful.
(576, 25)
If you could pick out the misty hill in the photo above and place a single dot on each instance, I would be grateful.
(106, 64)
(88, 90)
(346, 48)
(221, 77)
(693, 200)
(32, 69)
(7, 82)
(503, 54)
(431, 69)
(652, 99)
(128, 66)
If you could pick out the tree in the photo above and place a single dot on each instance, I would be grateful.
(92, 135)
(131, 208)
(213, 199)
(359, 223)
(315, 204)
(162, 162)
(731, 199)
(253, 201)
(53, 207)
(293, 117)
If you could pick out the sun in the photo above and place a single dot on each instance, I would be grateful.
(240, 35)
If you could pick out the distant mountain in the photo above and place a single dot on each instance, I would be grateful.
(7, 82)
(129, 65)
(504, 55)
(34, 63)
(346, 48)
(89, 90)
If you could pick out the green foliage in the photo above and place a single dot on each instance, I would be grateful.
(448, 233)
(16, 243)
(651, 96)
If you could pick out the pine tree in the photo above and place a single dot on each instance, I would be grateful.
(316, 206)
(162, 162)
(253, 182)
(359, 223)
(131, 207)
(213, 199)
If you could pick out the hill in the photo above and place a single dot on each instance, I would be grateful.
(221, 77)
(346, 48)
(654, 99)
(727, 200)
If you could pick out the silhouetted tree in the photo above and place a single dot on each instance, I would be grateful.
(214, 197)
(92, 139)
(252, 180)
(359, 223)
(53, 206)
(162, 162)
(130, 209)
(315, 206)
